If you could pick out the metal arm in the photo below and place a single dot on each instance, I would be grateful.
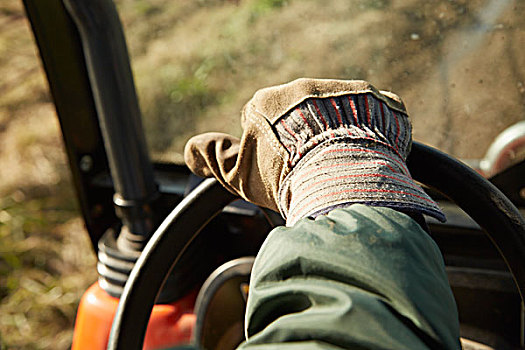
(119, 115)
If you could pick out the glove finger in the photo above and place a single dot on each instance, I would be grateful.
(213, 155)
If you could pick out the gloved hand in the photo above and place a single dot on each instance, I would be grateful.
(313, 145)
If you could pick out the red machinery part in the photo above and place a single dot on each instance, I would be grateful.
(169, 324)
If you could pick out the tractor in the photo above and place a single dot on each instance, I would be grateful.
(175, 251)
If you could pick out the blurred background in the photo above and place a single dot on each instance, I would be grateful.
(458, 65)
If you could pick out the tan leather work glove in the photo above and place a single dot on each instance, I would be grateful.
(313, 145)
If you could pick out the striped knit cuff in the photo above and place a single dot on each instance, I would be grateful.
(340, 172)
(344, 150)
(357, 116)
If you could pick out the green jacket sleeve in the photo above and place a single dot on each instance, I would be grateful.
(358, 278)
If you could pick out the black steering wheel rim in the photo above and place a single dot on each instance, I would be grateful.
(494, 212)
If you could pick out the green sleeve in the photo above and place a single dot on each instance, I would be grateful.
(359, 278)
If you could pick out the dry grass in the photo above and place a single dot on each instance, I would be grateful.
(45, 258)
(455, 63)
(196, 62)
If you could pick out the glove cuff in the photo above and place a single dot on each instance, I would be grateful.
(348, 149)
(342, 171)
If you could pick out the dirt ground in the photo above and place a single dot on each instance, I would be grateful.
(459, 66)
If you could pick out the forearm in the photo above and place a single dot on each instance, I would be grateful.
(360, 277)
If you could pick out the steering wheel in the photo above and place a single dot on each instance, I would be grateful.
(475, 195)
